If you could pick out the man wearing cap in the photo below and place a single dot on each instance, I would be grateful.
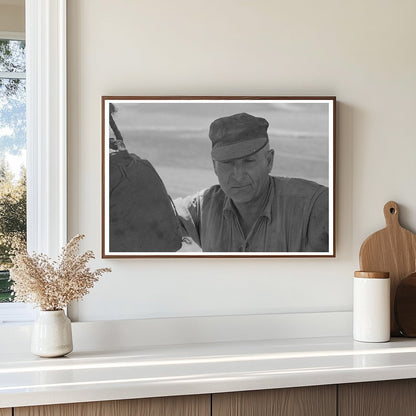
(250, 210)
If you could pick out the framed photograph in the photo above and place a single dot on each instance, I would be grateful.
(218, 176)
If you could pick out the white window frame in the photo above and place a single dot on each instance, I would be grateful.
(46, 125)
(46, 134)
(12, 35)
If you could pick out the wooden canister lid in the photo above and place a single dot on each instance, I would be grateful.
(372, 275)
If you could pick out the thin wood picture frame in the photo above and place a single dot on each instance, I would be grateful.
(218, 176)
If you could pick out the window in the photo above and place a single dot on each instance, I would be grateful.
(12, 155)
(46, 135)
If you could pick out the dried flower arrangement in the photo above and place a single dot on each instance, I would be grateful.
(52, 285)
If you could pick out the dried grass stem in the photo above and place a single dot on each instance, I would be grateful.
(53, 285)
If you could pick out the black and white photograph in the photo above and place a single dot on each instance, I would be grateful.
(218, 176)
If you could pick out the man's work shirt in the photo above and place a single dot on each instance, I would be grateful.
(211, 220)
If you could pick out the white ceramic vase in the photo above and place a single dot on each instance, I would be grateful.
(52, 334)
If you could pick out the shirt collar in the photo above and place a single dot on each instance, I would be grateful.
(229, 207)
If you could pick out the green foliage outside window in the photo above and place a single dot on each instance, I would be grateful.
(12, 223)
(12, 145)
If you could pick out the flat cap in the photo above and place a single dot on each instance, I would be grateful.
(237, 136)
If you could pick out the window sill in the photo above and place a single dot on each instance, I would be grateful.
(16, 313)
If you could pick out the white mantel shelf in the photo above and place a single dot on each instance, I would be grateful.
(151, 371)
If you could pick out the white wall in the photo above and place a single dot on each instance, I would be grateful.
(361, 51)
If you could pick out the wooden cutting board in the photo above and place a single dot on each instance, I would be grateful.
(393, 250)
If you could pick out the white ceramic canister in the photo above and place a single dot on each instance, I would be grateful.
(371, 309)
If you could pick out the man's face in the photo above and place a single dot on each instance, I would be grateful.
(246, 179)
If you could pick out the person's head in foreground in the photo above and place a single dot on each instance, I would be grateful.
(242, 156)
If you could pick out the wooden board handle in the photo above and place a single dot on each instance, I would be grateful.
(391, 214)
